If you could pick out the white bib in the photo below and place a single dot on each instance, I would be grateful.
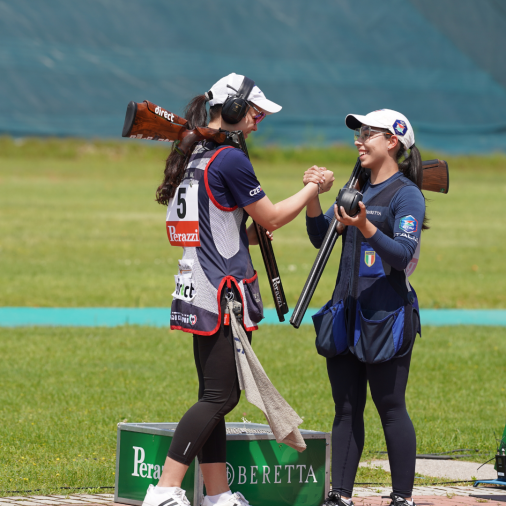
(183, 215)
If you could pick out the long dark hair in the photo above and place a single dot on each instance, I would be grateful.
(175, 165)
(412, 168)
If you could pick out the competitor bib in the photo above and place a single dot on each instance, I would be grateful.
(183, 215)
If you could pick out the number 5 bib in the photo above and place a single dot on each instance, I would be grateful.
(183, 215)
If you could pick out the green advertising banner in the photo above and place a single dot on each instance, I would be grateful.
(271, 474)
(265, 472)
(140, 462)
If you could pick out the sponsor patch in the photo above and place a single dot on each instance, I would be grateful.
(369, 258)
(409, 224)
(164, 114)
(400, 127)
(185, 288)
(255, 191)
(182, 318)
(185, 285)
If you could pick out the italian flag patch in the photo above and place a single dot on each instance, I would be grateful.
(370, 258)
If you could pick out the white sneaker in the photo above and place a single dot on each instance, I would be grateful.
(236, 499)
(175, 498)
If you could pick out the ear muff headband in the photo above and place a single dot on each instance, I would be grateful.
(235, 107)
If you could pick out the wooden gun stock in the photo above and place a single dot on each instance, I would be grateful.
(148, 121)
(436, 177)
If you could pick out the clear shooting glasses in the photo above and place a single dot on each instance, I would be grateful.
(364, 133)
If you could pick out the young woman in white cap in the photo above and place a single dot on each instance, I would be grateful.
(373, 312)
(210, 196)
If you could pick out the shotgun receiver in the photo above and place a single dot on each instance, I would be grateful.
(148, 121)
(435, 178)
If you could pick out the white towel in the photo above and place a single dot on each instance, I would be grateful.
(283, 420)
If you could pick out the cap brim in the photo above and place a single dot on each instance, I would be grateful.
(354, 121)
(267, 105)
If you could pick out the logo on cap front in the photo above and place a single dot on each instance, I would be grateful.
(400, 127)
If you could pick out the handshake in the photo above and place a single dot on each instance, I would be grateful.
(321, 176)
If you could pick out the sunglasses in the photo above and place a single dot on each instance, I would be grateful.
(364, 133)
(258, 117)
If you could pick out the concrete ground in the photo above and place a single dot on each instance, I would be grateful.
(424, 496)
(445, 469)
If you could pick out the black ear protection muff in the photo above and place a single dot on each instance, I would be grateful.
(235, 107)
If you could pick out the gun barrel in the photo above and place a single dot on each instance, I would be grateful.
(315, 274)
(271, 267)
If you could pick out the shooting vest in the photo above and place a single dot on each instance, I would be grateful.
(215, 251)
(375, 307)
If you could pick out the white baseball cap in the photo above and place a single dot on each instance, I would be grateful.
(393, 121)
(219, 92)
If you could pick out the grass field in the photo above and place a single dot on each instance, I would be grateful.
(63, 391)
(79, 227)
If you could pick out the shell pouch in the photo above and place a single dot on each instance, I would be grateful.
(378, 336)
(253, 300)
(330, 326)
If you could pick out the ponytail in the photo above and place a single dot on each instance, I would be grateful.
(412, 168)
(175, 165)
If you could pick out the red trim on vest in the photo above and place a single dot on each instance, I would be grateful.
(250, 280)
(229, 280)
(208, 189)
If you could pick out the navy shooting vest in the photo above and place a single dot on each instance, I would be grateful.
(215, 255)
(374, 310)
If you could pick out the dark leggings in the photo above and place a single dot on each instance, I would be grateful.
(201, 432)
(387, 381)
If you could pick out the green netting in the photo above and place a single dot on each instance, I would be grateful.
(70, 68)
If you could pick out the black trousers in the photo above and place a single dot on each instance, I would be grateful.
(201, 432)
(387, 381)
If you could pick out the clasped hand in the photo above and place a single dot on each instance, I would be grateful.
(320, 176)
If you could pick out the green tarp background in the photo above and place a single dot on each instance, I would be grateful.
(70, 68)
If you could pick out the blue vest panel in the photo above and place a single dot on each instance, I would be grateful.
(378, 301)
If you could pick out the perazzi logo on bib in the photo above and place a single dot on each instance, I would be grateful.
(183, 215)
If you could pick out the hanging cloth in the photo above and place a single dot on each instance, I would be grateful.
(260, 392)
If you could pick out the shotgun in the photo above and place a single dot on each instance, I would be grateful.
(148, 121)
(435, 178)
